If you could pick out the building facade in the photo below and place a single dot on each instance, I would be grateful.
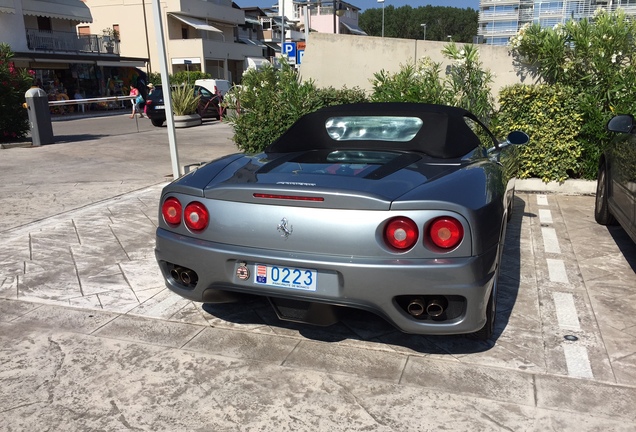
(499, 20)
(209, 36)
(44, 38)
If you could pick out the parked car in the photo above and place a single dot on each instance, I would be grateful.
(616, 184)
(394, 208)
(209, 105)
(214, 86)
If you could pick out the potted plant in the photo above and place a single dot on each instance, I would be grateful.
(184, 105)
(110, 37)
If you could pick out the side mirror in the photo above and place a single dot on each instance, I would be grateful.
(623, 123)
(518, 138)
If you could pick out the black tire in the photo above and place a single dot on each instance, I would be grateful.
(488, 329)
(156, 122)
(601, 207)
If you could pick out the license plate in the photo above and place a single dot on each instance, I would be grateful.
(160, 107)
(286, 277)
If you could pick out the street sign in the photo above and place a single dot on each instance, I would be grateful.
(301, 53)
(289, 50)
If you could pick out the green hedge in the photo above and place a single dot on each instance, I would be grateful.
(270, 100)
(550, 115)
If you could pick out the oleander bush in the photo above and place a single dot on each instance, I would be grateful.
(14, 82)
(597, 57)
(270, 100)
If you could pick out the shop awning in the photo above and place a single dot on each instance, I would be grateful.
(274, 46)
(7, 6)
(134, 64)
(195, 22)
(256, 62)
(354, 29)
(252, 20)
(247, 41)
(74, 10)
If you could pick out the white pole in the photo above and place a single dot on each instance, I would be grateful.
(282, 35)
(167, 97)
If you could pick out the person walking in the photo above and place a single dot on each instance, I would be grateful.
(137, 102)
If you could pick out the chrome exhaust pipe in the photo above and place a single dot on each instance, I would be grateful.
(435, 307)
(188, 276)
(416, 308)
(175, 273)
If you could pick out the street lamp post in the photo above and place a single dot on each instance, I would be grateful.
(382, 1)
(424, 27)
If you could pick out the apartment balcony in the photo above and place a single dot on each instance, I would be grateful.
(70, 42)
(211, 49)
(499, 2)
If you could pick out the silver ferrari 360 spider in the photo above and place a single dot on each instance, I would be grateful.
(395, 208)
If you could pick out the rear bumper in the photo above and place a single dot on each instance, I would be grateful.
(369, 284)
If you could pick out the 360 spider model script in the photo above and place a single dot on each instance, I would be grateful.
(399, 209)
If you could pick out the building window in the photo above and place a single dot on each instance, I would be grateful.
(184, 33)
(83, 30)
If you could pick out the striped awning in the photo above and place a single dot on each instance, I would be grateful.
(74, 10)
(7, 6)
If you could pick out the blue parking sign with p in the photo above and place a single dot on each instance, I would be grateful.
(289, 49)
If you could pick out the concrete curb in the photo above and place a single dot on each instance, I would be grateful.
(568, 187)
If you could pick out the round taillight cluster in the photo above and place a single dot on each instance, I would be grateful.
(195, 216)
(445, 232)
(401, 233)
(441, 234)
(171, 211)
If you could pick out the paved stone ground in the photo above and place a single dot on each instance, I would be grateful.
(91, 339)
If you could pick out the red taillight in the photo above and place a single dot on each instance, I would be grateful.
(196, 216)
(446, 232)
(401, 233)
(171, 211)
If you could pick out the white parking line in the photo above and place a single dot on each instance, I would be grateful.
(542, 200)
(577, 361)
(566, 311)
(550, 241)
(545, 216)
(556, 270)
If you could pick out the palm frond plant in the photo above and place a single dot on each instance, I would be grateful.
(184, 101)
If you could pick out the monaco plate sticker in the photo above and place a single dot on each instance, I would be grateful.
(285, 277)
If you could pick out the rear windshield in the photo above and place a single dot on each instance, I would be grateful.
(349, 163)
(373, 128)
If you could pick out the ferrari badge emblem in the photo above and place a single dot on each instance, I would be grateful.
(285, 228)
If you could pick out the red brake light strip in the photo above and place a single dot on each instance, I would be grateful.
(288, 197)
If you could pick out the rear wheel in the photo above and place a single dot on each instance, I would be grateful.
(601, 208)
(156, 122)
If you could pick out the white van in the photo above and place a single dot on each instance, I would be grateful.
(214, 86)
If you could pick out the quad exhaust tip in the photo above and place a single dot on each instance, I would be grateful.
(184, 275)
(433, 308)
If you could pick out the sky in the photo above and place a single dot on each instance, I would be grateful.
(370, 4)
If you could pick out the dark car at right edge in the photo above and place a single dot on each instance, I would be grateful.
(616, 184)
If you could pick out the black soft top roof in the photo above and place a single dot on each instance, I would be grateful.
(444, 133)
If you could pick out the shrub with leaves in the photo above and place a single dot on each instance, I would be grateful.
(14, 82)
(468, 84)
(550, 115)
(188, 77)
(330, 96)
(419, 82)
(596, 57)
(266, 104)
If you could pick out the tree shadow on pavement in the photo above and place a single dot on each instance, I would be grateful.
(625, 244)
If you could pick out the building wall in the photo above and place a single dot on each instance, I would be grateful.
(348, 60)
